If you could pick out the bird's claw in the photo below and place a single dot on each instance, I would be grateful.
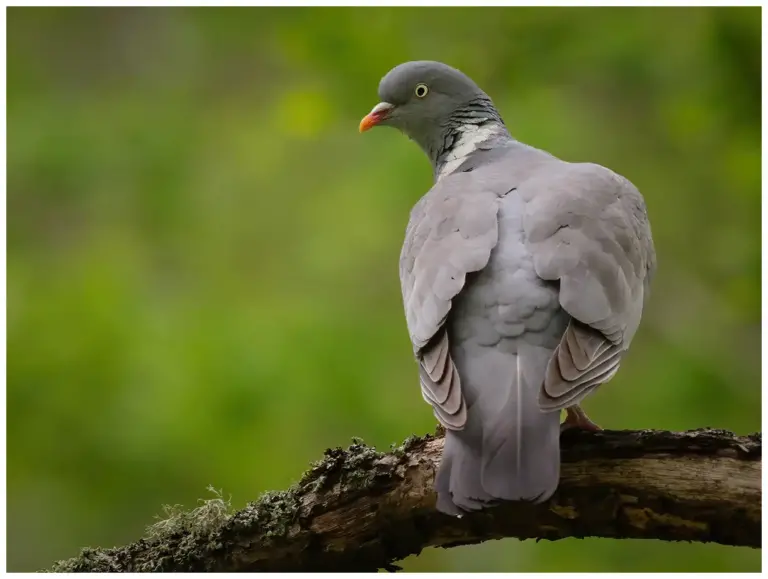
(577, 418)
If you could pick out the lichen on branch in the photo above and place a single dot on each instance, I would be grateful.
(362, 510)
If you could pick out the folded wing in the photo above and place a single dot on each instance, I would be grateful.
(587, 228)
(451, 233)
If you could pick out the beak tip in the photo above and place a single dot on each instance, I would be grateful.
(378, 114)
(368, 122)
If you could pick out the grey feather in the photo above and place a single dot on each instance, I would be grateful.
(588, 229)
(501, 352)
(524, 279)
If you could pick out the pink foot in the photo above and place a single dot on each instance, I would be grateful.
(577, 418)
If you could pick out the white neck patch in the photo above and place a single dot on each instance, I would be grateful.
(472, 136)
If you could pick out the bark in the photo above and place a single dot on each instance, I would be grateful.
(361, 510)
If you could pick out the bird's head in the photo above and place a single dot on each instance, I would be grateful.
(427, 100)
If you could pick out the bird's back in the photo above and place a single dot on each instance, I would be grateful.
(504, 326)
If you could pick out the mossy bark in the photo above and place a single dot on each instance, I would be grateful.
(362, 510)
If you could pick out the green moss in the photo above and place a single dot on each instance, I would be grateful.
(189, 534)
(209, 516)
(91, 560)
(351, 467)
(276, 511)
(412, 441)
(313, 475)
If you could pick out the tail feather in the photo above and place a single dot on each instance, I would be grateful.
(521, 444)
(509, 449)
(458, 483)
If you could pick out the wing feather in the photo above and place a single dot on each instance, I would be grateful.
(587, 228)
(451, 233)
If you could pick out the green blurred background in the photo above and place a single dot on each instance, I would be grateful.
(202, 250)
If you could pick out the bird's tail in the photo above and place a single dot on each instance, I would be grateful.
(509, 449)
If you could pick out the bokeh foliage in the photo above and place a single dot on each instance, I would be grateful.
(202, 251)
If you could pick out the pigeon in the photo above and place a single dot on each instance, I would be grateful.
(524, 279)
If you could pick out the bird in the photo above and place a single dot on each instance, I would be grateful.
(524, 279)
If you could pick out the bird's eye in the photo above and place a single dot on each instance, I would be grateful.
(421, 90)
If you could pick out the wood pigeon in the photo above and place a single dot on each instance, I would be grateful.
(523, 279)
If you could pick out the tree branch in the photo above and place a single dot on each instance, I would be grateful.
(361, 510)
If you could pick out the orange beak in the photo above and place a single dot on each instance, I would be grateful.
(378, 113)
